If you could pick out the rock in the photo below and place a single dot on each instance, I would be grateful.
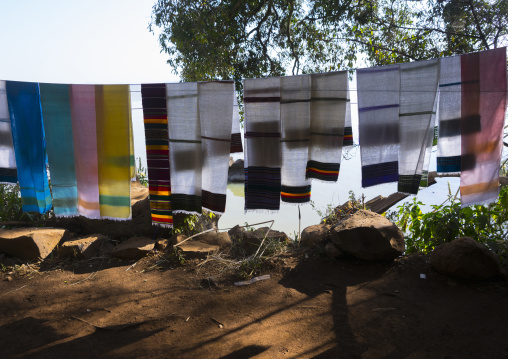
(220, 239)
(134, 248)
(236, 172)
(177, 238)
(196, 249)
(368, 236)
(31, 243)
(161, 244)
(236, 233)
(315, 235)
(333, 252)
(6, 261)
(83, 247)
(251, 240)
(465, 258)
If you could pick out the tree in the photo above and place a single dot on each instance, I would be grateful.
(234, 39)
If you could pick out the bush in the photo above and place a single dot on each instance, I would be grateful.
(424, 231)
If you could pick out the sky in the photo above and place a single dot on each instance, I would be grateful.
(91, 41)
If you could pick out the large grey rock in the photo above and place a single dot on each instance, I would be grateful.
(83, 247)
(465, 258)
(196, 249)
(315, 235)
(368, 236)
(220, 239)
(134, 248)
(236, 172)
(31, 243)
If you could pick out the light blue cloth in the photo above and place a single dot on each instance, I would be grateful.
(29, 145)
(56, 115)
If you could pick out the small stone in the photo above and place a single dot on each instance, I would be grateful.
(196, 249)
(134, 248)
(83, 247)
(177, 238)
(333, 252)
(161, 244)
(8, 278)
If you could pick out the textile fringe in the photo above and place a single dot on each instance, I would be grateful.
(261, 211)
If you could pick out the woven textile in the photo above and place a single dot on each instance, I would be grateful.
(155, 118)
(483, 90)
(112, 105)
(84, 132)
(215, 115)
(56, 115)
(185, 147)
(29, 145)
(448, 147)
(418, 87)
(329, 99)
(295, 99)
(348, 129)
(378, 121)
(236, 137)
(430, 142)
(262, 144)
(8, 173)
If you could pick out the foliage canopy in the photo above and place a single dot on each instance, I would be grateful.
(233, 39)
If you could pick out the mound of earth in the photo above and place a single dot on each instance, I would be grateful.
(311, 307)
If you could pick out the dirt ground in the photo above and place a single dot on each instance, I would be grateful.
(312, 307)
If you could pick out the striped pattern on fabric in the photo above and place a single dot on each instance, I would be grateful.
(378, 121)
(323, 171)
(295, 194)
(155, 119)
(348, 136)
(112, 105)
(295, 118)
(29, 145)
(262, 189)
(215, 115)
(185, 147)
(262, 144)
(8, 172)
(236, 137)
(483, 77)
(448, 148)
(418, 89)
(56, 114)
(328, 111)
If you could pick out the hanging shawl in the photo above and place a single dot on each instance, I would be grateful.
(418, 87)
(8, 173)
(155, 118)
(84, 133)
(185, 147)
(112, 105)
(430, 141)
(295, 95)
(215, 114)
(378, 120)
(56, 115)
(348, 129)
(262, 144)
(29, 145)
(448, 147)
(329, 99)
(236, 137)
(483, 106)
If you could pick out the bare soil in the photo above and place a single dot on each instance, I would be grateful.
(312, 307)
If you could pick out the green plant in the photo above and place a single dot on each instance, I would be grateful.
(10, 206)
(332, 215)
(141, 173)
(177, 256)
(187, 225)
(424, 231)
